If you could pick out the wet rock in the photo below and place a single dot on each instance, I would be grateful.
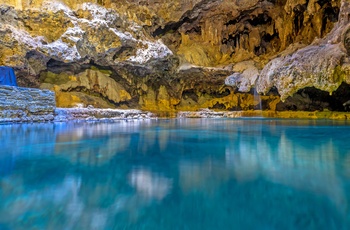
(266, 114)
(25, 104)
(92, 114)
(245, 79)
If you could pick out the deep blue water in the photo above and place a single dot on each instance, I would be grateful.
(176, 174)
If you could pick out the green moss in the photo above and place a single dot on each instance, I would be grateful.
(339, 74)
(104, 71)
(55, 79)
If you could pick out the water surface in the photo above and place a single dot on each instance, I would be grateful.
(176, 174)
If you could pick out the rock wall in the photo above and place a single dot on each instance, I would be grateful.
(222, 32)
(176, 55)
(324, 64)
(25, 104)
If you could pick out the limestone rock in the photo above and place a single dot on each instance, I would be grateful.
(92, 114)
(25, 104)
(323, 65)
(176, 55)
(244, 80)
(250, 29)
(63, 34)
(91, 81)
(318, 66)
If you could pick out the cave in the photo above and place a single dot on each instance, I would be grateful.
(57, 67)
(218, 106)
(330, 16)
(234, 39)
(261, 19)
(299, 17)
(190, 94)
(269, 43)
(312, 99)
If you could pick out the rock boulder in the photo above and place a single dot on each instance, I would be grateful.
(25, 104)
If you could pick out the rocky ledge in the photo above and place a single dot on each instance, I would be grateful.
(19, 104)
(35, 105)
(160, 55)
(92, 114)
(25, 104)
(205, 113)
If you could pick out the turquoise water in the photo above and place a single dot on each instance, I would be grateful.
(176, 174)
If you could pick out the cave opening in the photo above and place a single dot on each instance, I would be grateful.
(261, 19)
(248, 17)
(259, 50)
(241, 39)
(330, 15)
(57, 67)
(189, 94)
(278, 2)
(124, 51)
(218, 106)
(268, 43)
(235, 40)
(313, 99)
(195, 30)
(171, 27)
(299, 17)
(322, 2)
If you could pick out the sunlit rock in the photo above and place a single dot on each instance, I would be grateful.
(96, 82)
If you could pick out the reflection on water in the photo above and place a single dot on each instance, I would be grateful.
(176, 174)
(150, 185)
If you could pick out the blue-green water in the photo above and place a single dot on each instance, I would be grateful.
(176, 174)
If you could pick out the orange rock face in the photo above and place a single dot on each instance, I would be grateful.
(176, 55)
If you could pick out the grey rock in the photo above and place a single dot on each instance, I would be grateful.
(25, 104)
(92, 114)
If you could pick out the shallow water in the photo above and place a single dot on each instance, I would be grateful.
(176, 174)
